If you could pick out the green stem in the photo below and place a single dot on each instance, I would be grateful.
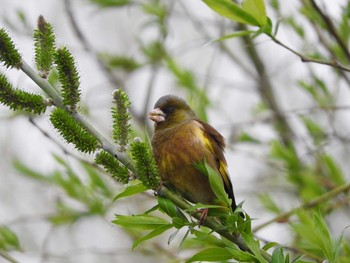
(42, 83)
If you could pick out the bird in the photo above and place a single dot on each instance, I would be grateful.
(180, 141)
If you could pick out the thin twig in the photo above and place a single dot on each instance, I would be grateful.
(332, 30)
(6, 256)
(332, 63)
(64, 150)
(312, 203)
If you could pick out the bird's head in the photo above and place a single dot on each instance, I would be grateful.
(171, 110)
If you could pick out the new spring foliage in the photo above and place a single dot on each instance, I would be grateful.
(113, 166)
(44, 43)
(17, 99)
(69, 78)
(9, 55)
(146, 167)
(72, 131)
(121, 118)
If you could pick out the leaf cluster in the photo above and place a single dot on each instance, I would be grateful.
(9, 55)
(17, 99)
(72, 131)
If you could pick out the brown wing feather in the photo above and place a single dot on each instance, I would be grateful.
(218, 147)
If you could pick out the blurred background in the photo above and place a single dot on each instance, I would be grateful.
(286, 122)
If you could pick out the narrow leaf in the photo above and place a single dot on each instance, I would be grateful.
(167, 207)
(241, 256)
(143, 222)
(232, 11)
(8, 239)
(132, 188)
(253, 245)
(277, 255)
(257, 9)
(211, 255)
(236, 34)
(217, 185)
(156, 232)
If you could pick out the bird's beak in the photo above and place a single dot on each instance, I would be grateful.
(157, 115)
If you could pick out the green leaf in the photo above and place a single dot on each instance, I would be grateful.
(111, 3)
(332, 169)
(253, 245)
(208, 238)
(168, 207)
(156, 232)
(124, 63)
(315, 131)
(232, 11)
(277, 255)
(270, 245)
(8, 239)
(132, 188)
(96, 182)
(337, 246)
(257, 9)
(217, 185)
(269, 203)
(179, 222)
(246, 137)
(241, 256)
(211, 255)
(25, 170)
(236, 34)
(143, 222)
(325, 238)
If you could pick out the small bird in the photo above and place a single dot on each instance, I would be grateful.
(180, 141)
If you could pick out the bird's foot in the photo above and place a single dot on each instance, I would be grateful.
(204, 214)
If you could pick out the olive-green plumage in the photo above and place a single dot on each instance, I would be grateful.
(181, 141)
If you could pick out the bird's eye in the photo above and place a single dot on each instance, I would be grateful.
(169, 109)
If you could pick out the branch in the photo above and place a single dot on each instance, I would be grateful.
(211, 223)
(332, 63)
(332, 30)
(312, 203)
(122, 157)
(6, 256)
(49, 90)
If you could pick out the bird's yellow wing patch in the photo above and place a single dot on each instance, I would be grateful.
(212, 145)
